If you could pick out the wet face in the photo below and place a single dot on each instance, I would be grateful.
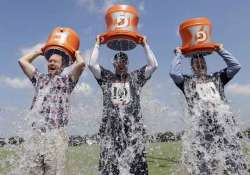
(121, 66)
(55, 65)
(199, 66)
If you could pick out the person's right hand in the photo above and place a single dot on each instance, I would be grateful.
(177, 50)
(39, 51)
(98, 40)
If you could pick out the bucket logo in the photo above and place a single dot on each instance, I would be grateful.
(199, 34)
(122, 21)
(61, 37)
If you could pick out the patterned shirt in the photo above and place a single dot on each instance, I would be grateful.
(51, 98)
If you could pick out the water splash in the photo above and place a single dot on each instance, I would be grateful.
(46, 139)
(210, 144)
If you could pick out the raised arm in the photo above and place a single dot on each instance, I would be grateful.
(77, 67)
(26, 60)
(233, 65)
(93, 65)
(152, 63)
(175, 69)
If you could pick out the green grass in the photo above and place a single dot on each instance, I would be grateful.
(7, 160)
(163, 159)
(82, 160)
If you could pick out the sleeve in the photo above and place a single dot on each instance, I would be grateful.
(152, 62)
(223, 76)
(35, 79)
(140, 77)
(233, 66)
(93, 65)
(175, 69)
(71, 83)
(106, 76)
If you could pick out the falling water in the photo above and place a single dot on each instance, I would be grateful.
(210, 143)
(46, 139)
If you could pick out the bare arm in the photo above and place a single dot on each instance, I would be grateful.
(77, 67)
(26, 60)
(175, 70)
(152, 63)
(93, 65)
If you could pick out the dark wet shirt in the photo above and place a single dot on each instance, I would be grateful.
(120, 93)
(192, 87)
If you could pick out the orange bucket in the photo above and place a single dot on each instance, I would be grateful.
(121, 21)
(64, 39)
(196, 36)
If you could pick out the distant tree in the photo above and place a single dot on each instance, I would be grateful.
(15, 140)
(76, 140)
(246, 133)
(165, 137)
(179, 135)
(2, 142)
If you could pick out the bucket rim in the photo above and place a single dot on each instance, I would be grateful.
(67, 51)
(135, 36)
(194, 21)
(204, 47)
(123, 8)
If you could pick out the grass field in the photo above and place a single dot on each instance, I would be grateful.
(163, 159)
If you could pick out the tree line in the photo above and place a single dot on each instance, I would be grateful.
(77, 140)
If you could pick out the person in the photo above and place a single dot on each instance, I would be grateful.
(211, 144)
(122, 131)
(46, 144)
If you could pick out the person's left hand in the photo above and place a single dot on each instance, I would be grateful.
(77, 53)
(144, 41)
(219, 47)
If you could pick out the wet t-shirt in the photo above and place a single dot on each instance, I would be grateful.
(209, 88)
(120, 96)
(122, 131)
(51, 99)
(211, 136)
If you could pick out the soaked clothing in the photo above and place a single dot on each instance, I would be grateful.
(215, 146)
(44, 153)
(122, 131)
(51, 98)
(193, 89)
(210, 144)
(46, 142)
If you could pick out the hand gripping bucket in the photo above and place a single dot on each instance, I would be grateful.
(121, 21)
(64, 39)
(196, 36)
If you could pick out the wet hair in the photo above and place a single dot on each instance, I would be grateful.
(66, 59)
(121, 56)
(197, 56)
(200, 57)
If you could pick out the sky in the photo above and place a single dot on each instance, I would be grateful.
(25, 25)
